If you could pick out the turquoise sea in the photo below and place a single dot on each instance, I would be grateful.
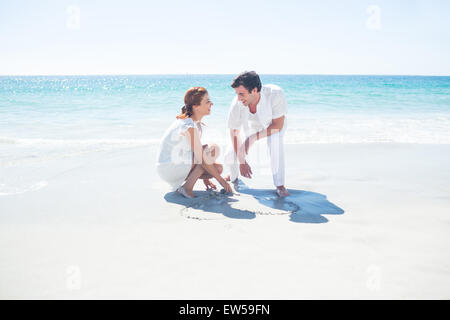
(46, 118)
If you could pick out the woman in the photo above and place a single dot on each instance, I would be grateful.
(182, 159)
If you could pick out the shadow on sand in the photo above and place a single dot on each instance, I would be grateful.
(309, 207)
(208, 202)
(302, 206)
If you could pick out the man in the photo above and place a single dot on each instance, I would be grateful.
(261, 112)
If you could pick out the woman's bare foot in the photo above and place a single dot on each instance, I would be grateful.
(185, 193)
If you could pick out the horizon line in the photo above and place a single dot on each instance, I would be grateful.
(219, 74)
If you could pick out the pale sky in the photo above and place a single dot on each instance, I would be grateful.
(406, 37)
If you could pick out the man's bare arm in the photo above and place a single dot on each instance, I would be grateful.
(275, 127)
(237, 143)
(244, 167)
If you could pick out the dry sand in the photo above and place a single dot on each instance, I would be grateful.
(363, 221)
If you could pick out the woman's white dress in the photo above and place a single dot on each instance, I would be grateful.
(174, 159)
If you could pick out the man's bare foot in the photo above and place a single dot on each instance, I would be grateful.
(282, 192)
(238, 185)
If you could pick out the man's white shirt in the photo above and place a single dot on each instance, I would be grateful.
(272, 105)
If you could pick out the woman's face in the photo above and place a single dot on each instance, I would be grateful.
(205, 106)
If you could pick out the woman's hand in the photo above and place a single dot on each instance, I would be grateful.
(226, 186)
(209, 184)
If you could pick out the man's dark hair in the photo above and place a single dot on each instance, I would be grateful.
(248, 79)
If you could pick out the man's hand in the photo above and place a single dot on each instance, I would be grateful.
(246, 171)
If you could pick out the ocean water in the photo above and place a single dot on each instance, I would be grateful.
(49, 118)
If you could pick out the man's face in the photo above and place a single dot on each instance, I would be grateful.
(247, 98)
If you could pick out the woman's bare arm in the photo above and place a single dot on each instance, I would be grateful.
(199, 156)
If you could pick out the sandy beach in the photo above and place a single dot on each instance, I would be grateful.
(90, 94)
(364, 221)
